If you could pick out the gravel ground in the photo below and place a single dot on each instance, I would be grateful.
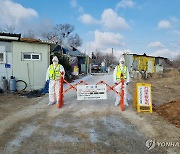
(31, 126)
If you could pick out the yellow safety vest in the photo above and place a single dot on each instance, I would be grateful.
(118, 73)
(54, 74)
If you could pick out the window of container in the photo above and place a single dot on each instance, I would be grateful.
(2, 57)
(31, 56)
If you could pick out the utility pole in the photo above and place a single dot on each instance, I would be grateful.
(89, 47)
(111, 61)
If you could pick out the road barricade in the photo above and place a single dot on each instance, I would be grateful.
(62, 91)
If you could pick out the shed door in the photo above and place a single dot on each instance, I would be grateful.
(150, 67)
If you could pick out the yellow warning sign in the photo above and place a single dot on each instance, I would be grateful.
(75, 70)
(143, 97)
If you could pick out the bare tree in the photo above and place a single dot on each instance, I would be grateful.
(8, 28)
(100, 56)
(176, 62)
(178, 58)
(74, 41)
(29, 34)
(62, 34)
(110, 59)
(107, 58)
(63, 30)
(52, 37)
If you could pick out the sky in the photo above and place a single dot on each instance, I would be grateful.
(131, 26)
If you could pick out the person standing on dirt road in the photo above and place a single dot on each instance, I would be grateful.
(53, 74)
(103, 67)
(121, 69)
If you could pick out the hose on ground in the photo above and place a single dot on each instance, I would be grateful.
(25, 84)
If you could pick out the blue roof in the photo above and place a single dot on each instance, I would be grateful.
(74, 52)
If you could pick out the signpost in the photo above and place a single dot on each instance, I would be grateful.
(143, 97)
(91, 92)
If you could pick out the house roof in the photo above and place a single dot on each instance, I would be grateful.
(143, 55)
(76, 53)
(10, 37)
(30, 40)
(17, 37)
(60, 48)
(146, 55)
(66, 50)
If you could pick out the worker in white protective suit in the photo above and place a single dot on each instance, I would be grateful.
(53, 74)
(121, 69)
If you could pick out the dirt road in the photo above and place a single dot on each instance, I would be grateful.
(31, 126)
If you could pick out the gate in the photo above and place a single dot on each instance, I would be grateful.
(73, 87)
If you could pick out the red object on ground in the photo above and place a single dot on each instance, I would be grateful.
(61, 91)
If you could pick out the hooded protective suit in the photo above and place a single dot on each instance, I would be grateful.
(53, 74)
(121, 68)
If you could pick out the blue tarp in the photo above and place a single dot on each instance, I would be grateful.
(46, 87)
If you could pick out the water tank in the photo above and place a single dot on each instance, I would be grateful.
(4, 83)
(12, 84)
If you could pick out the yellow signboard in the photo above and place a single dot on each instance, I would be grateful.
(143, 97)
(76, 70)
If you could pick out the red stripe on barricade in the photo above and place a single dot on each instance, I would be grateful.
(71, 86)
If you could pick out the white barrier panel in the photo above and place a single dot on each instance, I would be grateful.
(91, 92)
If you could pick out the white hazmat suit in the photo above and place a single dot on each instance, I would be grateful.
(126, 81)
(54, 83)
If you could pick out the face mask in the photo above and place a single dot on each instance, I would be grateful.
(122, 62)
(55, 63)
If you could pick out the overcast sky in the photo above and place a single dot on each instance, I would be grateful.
(134, 26)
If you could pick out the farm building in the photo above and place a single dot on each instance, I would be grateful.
(150, 64)
(25, 59)
(78, 60)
